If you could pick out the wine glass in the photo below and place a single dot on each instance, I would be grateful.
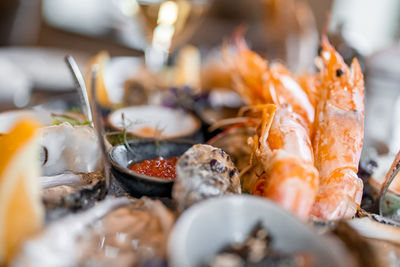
(166, 25)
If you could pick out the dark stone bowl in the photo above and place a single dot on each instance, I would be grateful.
(137, 184)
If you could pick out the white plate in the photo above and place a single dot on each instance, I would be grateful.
(171, 123)
(8, 118)
(207, 227)
(44, 67)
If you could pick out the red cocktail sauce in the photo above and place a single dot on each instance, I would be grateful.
(159, 167)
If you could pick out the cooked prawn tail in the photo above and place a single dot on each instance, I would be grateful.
(340, 197)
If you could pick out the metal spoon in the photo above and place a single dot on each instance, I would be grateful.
(80, 85)
(98, 125)
(391, 174)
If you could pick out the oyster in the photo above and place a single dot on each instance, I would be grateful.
(65, 192)
(373, 240)
(133, 235)
(116, 232)
(70, 179)
(72, 167)
(69, 148)
(232, 141)
(56, 245)
(202, 172)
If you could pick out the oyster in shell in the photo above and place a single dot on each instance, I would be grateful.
(202, 172)
(115, 232)
(69, 148)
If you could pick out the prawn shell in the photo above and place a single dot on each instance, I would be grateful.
(339, 139)
(339, 197)
(295, 192)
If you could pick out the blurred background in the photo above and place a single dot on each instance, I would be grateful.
(35, 35)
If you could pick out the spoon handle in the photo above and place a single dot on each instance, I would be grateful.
(98, 125)
(80, 84)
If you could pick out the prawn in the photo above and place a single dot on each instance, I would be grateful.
(284, 149)
(261, 83)
(282, 145)
(338, 136)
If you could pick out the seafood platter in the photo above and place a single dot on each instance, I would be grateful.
(261, 169)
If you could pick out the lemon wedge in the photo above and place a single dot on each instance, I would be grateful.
(21, 210)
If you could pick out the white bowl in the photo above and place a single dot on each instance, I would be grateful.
(117, 71)
(171, 123)
(207, 227)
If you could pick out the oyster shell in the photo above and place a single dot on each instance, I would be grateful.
(69, 148)
(68, 192)
(202, 172)
(133, 235)
(116, 232)
(373, 240)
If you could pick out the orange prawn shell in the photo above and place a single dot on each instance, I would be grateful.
(339, 126)
(338, 136)
(343, 87)
(282, 144)
(339, 197)
(290, 182)
(309, 83)
(289, 176)
(338, 140)
(258, 83)
(285, 90)
(288, 133)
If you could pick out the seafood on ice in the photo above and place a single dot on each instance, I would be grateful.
(202, 172)
(309, 131)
